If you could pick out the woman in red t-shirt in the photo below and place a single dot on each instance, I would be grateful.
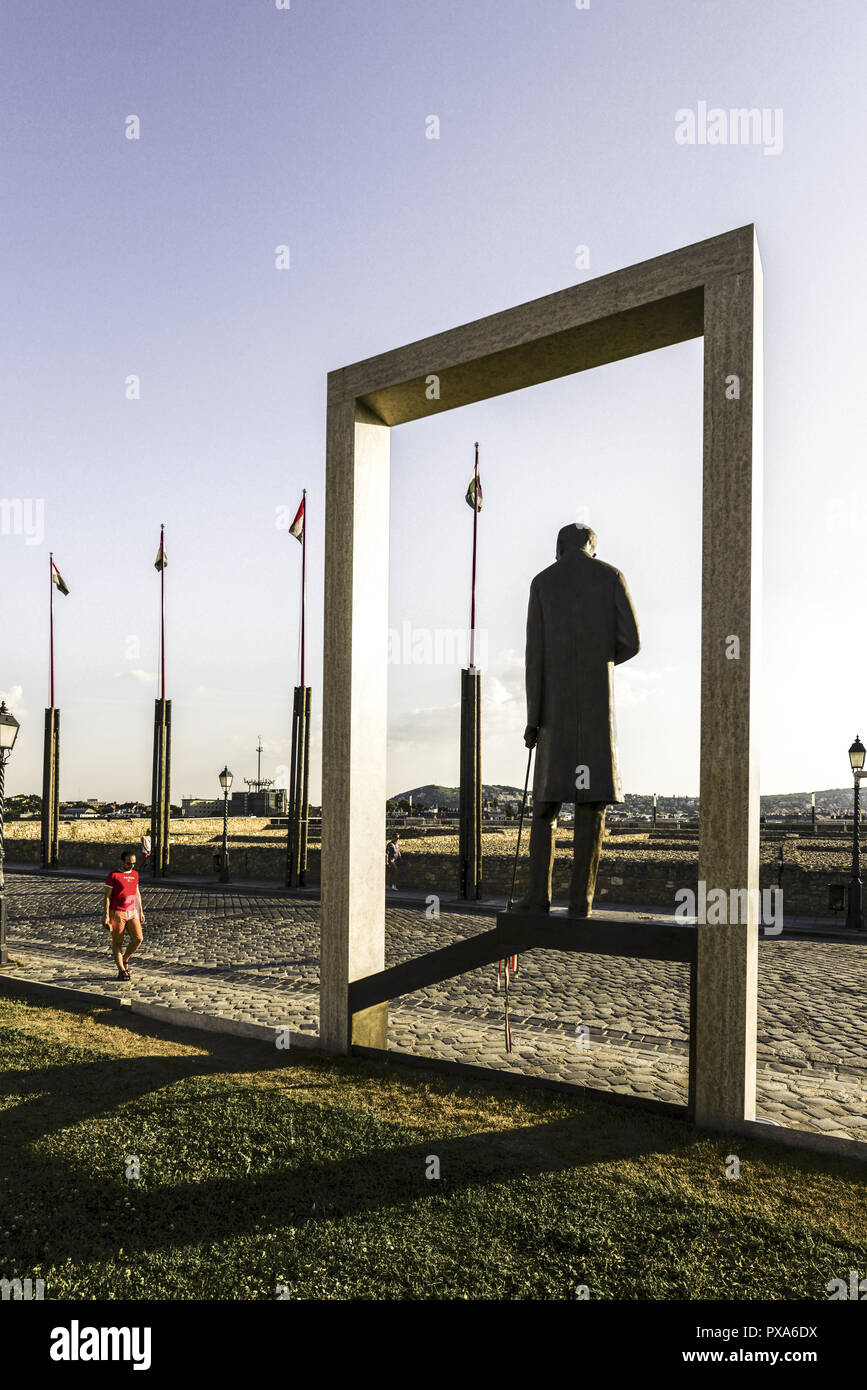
(124, 912)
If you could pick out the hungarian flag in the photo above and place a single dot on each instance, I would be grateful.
(160, 562)
(57, 579)
(297, 527)
(474, 494)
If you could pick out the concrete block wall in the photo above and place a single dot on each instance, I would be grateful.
(195, 861)
(643, 882)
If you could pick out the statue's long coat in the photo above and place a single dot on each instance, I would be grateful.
(580, 624)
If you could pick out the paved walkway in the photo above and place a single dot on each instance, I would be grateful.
(253, 957)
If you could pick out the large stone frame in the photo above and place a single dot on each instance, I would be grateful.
(711, 289)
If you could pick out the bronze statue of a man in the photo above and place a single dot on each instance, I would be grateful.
(580, 624)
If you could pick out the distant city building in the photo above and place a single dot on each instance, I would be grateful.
(197, 806)
(258, 803)
(77, 810)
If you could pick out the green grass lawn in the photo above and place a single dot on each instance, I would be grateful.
(261, 1168)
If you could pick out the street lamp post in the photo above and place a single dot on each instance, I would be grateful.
(225, 783)
(8, 735)
(855, 916)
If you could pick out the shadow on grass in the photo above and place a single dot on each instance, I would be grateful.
(320, 1159)
(90, 1215)
(221, 1159)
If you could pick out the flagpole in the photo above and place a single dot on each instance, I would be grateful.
(475, 537)
(297, 799)
(303, 578)
(51, 624)
(163, 610)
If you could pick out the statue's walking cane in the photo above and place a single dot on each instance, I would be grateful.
(520, 828)
(513, 960)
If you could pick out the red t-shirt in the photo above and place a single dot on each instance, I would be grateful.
(124, 886)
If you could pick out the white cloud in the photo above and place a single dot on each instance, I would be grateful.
(422, 728)
(633, 688)
(276, 746)
(494, 692)
(510, 670)
(14, 698)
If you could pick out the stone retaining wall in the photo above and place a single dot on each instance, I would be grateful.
(621, 880)
(642, 883)
(190, 861)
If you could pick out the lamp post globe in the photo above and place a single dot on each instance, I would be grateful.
(8, 734)
(9, 727)
(226, 780)
(854, 914)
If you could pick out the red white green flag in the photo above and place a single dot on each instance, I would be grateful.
(474, 494)
(57, 579)
(297, 527)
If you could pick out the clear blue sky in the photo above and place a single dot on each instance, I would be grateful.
(306, 127)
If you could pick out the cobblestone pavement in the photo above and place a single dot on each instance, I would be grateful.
(255, 958)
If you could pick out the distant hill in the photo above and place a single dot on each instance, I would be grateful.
(832, 799)
(448, 798)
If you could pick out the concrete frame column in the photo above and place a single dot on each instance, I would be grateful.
(727, 965)
(354, 700)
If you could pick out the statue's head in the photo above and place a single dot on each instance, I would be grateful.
(576, 537)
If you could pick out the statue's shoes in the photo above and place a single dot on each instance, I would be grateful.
(528, 905)
(580, 910)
